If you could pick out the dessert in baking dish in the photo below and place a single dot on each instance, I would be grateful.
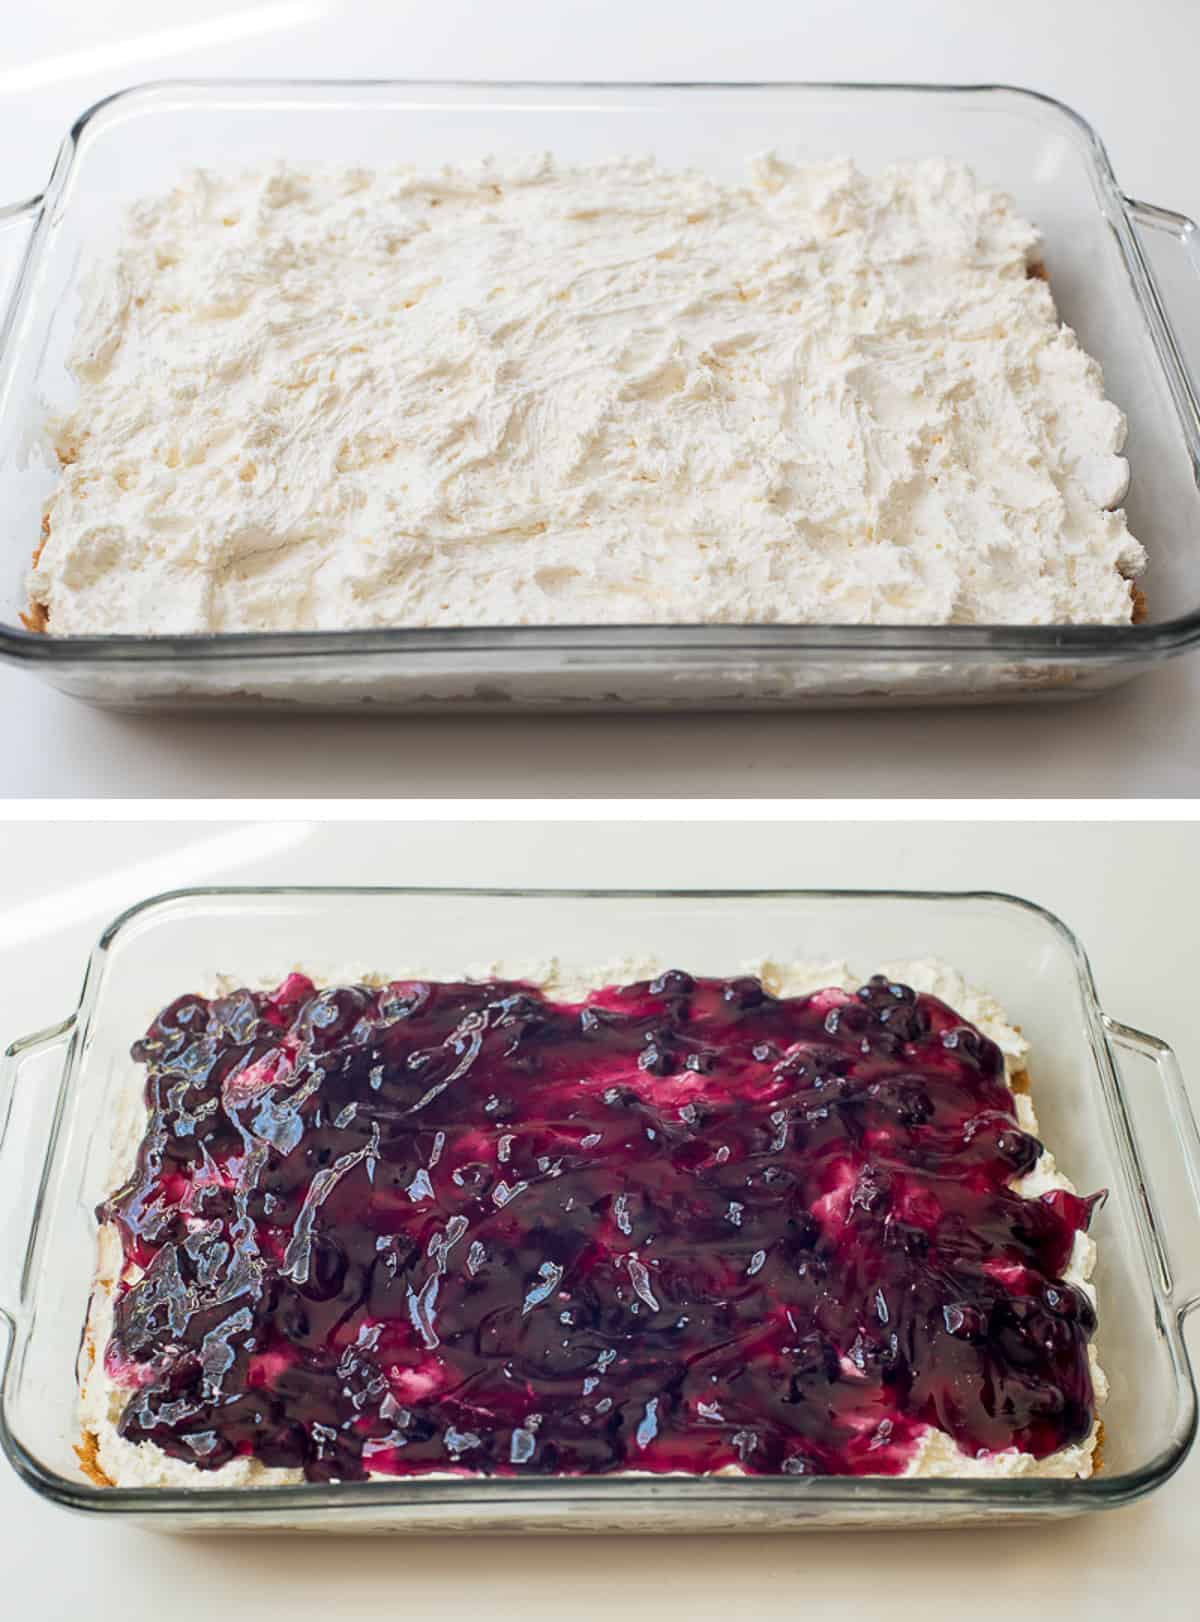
(783, 1224)
(531, 394)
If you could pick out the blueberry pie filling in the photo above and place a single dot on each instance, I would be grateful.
(683, 1225)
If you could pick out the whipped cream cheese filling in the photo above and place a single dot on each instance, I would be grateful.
(521, 393)
(130, 1464)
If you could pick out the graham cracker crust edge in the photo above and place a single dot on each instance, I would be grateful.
(35, 618)
(87, 1451)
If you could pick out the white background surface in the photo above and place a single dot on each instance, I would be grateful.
(1132, 892)
(1130, 70)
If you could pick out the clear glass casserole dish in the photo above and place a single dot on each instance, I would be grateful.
(1111, 1102)
(1115, 265)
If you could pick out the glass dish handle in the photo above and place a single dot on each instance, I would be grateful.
(29, 1075)
(17, 224)
(1162, 1124)
(1167, 245)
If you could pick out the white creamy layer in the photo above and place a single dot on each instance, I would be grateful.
(144, 1465)
(523, 393)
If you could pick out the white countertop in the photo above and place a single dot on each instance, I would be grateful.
(1131, 891)
(1130, 72)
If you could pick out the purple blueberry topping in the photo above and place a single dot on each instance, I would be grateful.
(682, 1226)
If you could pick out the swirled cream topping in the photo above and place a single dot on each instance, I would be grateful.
(524, 393)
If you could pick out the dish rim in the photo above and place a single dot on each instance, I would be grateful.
(1077, 644)
(1103, 1490)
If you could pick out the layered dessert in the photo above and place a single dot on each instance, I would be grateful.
(789, 1223)
(525, 393)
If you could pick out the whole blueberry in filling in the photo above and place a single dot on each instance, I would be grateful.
(684, 1225)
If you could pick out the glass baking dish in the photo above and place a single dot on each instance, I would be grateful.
(1111, 1103)
(1116, 266)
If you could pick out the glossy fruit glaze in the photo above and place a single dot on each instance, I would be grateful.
(684, 1225)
